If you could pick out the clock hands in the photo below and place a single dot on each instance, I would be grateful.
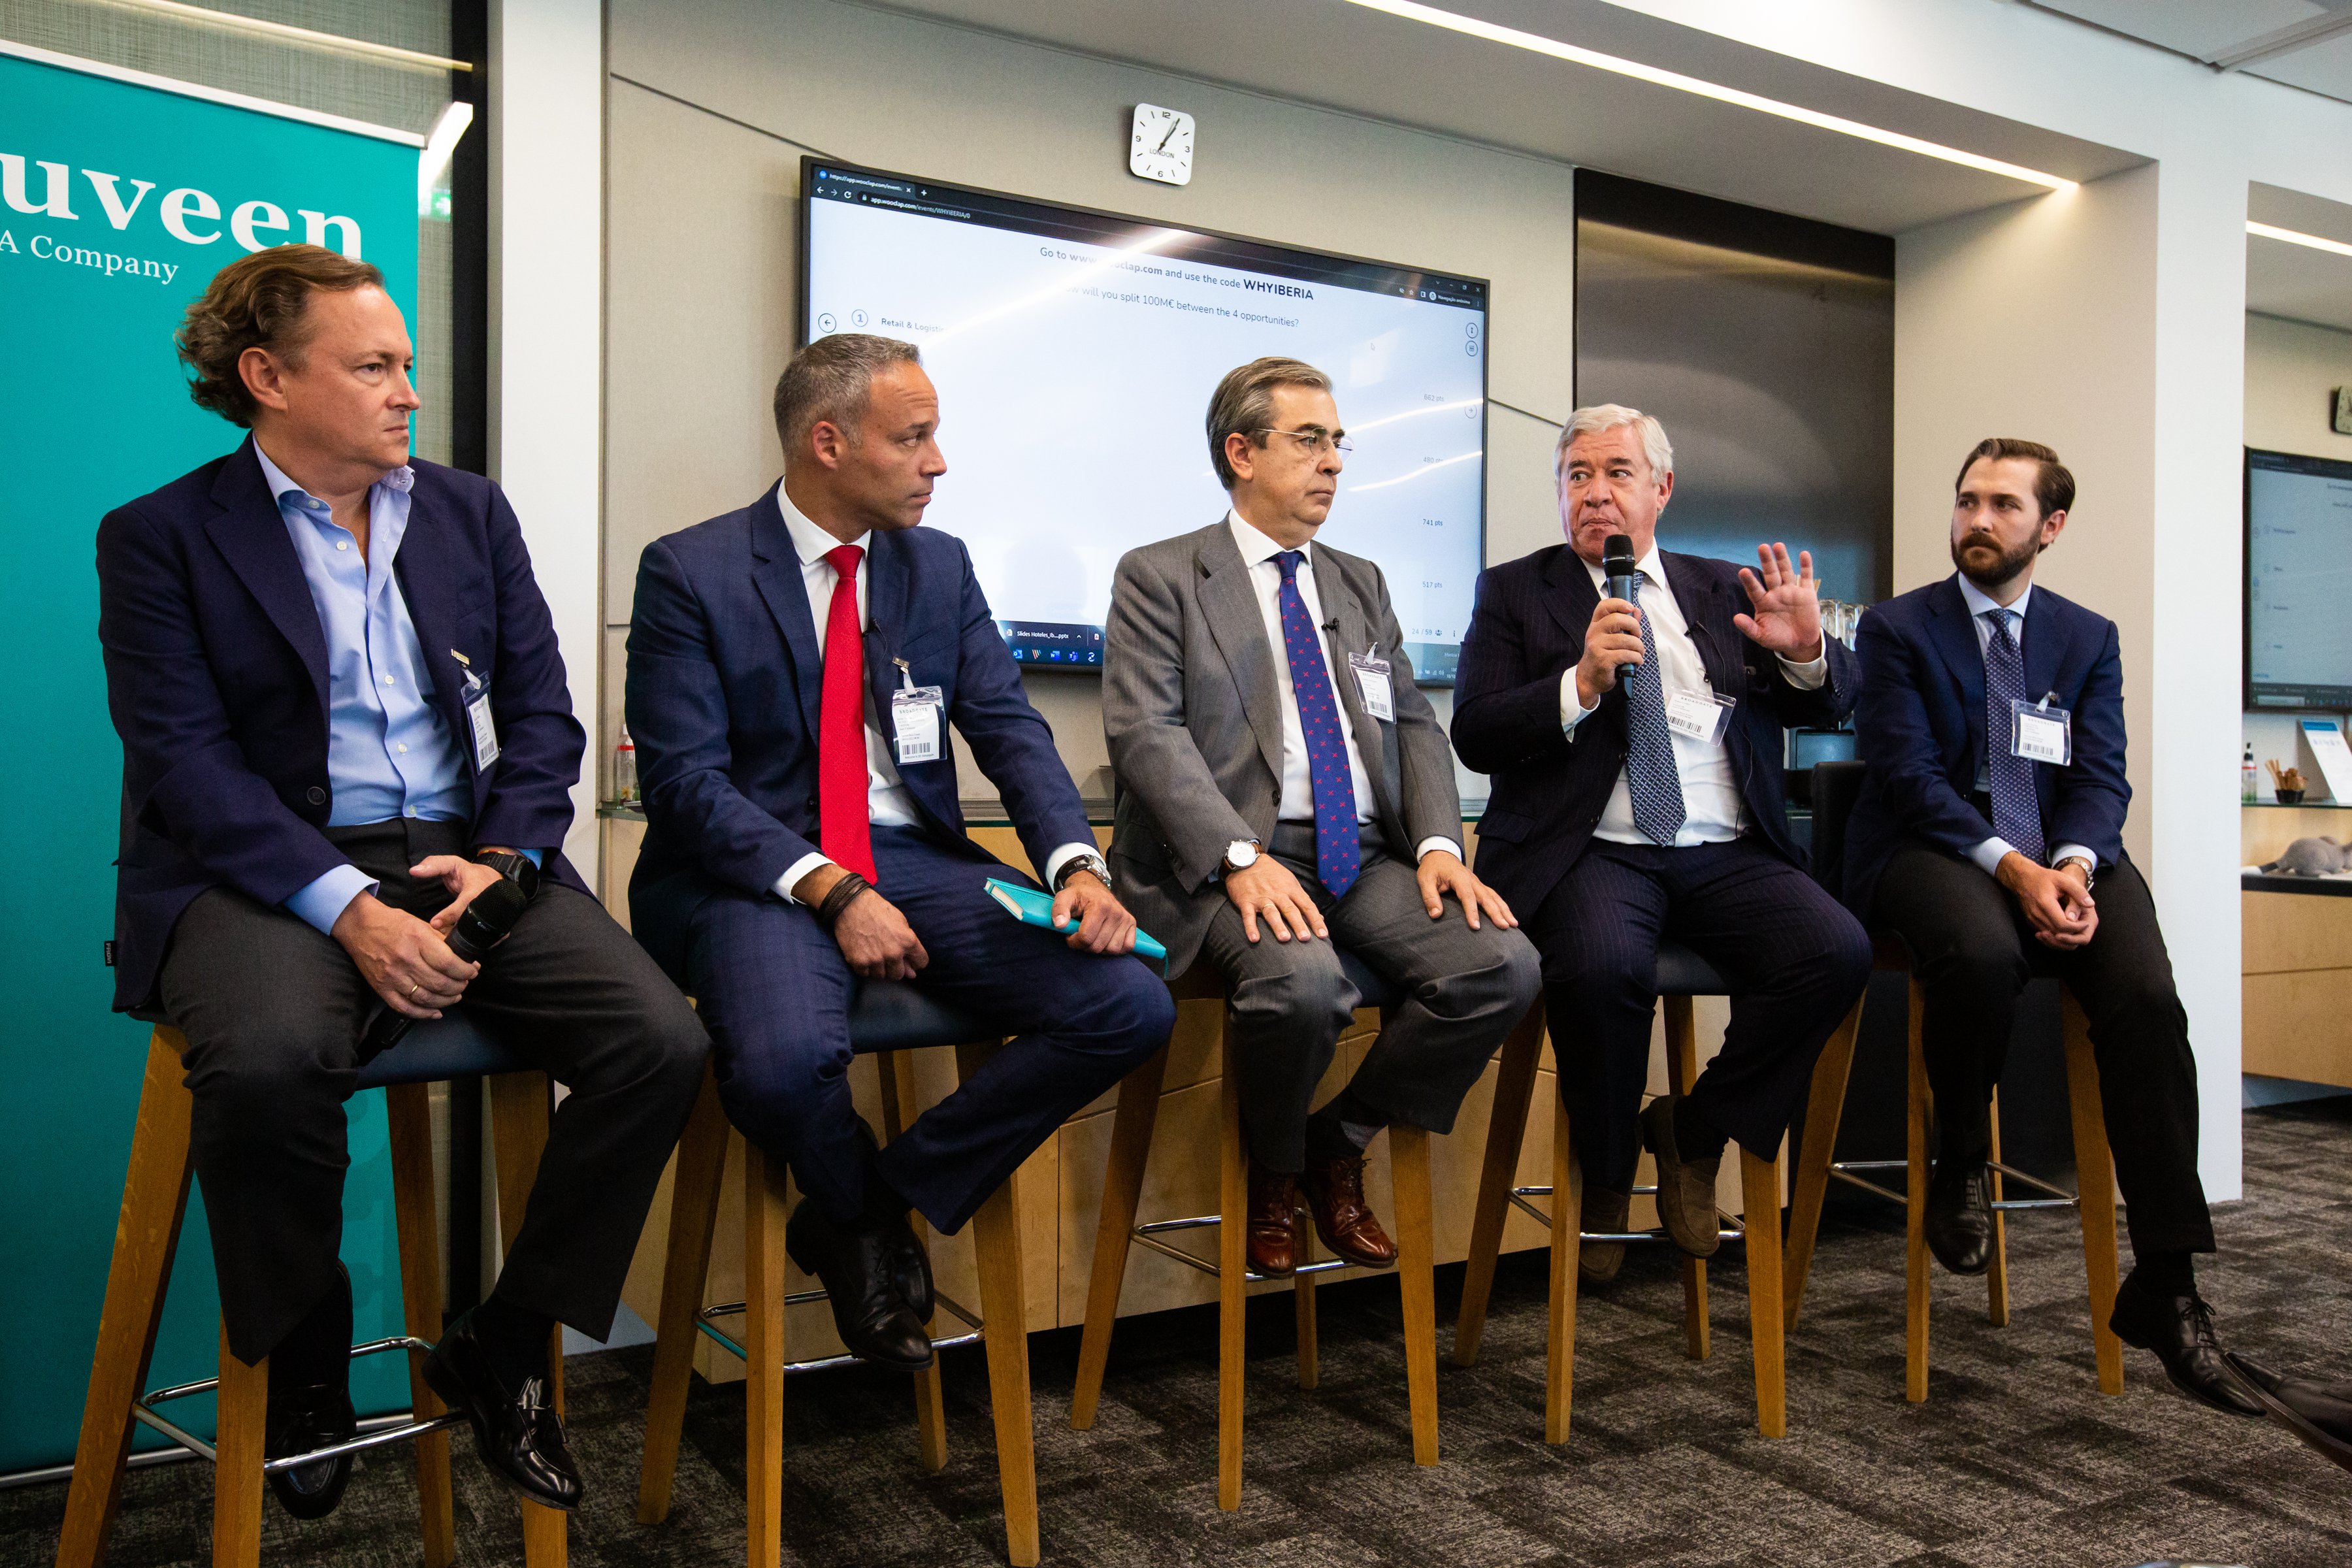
(1173, 126)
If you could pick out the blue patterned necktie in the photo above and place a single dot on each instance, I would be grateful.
(1338, 857)
(1651, 778)
(2016, 810)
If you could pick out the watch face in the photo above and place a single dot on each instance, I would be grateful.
(1161, 145)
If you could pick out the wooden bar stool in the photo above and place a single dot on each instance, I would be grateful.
(1836, 786)
(154, 1200)
(1681, 974)
(890, 1019)
(1130, 1150)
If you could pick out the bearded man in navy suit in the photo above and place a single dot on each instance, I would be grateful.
(1991, 720)
(344, 715)
(794, 666)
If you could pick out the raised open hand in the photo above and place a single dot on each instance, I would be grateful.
(1787, 605)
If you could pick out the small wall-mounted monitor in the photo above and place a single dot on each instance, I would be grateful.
(2298, 581)
(1075, 354)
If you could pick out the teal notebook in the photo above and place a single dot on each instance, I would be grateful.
(1031, 908)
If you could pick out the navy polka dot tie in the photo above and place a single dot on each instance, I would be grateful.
(2016, 810)
(1338, 857)
(1651, 776)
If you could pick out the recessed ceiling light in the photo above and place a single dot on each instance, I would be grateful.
(2295, 237)
(1536, 43)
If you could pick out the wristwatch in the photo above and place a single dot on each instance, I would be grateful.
(1094, 863)
(515, 868)
(2090, 870)
(1240, 855)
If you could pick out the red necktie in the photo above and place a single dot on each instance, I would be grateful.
(844, 832)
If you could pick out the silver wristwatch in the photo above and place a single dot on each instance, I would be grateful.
(2090, 869)
(1089, 862)
(1240, 855)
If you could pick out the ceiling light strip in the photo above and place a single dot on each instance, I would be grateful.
(204, 17)
(2296, 236)
(1534, 43)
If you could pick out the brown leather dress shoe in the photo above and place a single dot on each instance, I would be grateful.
(1272, 1222)
(1597, 1262)
(1685, 1187)
(1335, 1197)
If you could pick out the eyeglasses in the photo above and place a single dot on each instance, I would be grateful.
(1314, 439)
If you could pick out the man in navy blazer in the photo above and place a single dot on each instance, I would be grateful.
(1634, 748)
(342, 716)
(793, 670)
(1991, 720)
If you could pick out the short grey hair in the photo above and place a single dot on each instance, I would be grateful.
(1596, 417)
(1244, 403)
(831, 379)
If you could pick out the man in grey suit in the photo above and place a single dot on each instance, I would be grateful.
(1279, 774)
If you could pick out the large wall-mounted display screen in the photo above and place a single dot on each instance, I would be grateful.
(2298, 574)
(1075, 354)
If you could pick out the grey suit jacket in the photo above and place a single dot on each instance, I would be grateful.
(1194, 721)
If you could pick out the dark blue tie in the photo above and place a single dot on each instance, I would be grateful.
(2016, 810)
(1652, 779)
(1338, 857)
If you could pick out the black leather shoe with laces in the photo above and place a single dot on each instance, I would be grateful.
(516, 1432)
(2179, 1331)
(1959, 1216)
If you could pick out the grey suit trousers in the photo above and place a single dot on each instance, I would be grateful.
(1291, 1001)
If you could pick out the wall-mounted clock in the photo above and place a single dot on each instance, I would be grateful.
(1161, 147)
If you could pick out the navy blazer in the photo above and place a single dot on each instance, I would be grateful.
(725, 678)
(217, 677)
(1546, 791)
(1921, 723)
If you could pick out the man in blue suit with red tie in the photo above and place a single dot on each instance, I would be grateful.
(793, 670)
(1991, 720)
(344, 715)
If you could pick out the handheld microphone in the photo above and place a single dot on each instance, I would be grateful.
(482, 927)
(1623, 581)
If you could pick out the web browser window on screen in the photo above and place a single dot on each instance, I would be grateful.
(1076, 352)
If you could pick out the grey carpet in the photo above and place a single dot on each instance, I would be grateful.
(2016, 1459)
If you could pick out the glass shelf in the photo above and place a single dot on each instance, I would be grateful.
(2297, 806)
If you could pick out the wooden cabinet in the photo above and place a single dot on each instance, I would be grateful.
(2297, 958)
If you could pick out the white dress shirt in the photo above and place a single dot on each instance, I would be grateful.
(1258, 552)
(1988, 855)
(888, 804)
(1713, 811)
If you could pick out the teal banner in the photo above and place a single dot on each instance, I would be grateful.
(118, 200)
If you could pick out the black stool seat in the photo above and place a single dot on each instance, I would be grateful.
(1682, 973)
(437, 1049)
(898, 1016)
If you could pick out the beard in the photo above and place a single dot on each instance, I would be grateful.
(2005, 569)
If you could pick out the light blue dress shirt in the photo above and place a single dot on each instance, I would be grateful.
(389, 751)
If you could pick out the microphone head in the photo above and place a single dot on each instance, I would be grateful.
(487, 920)
(1617, 555)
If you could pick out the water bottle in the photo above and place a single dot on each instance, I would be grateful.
(2248, 779)
(625, 767)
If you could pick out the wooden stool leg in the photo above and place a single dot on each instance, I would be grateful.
(695, 1180)
(2094, 1181)
(1302, 1298)
(1416, 1256)
(146, 1233)
(1915, 1211)
(409, 1116)
(1682, 1071)
(1506, 1126)
(1759, 1205)
(1997, 1276)
(1823, 1109)
(520, 1111)
(244, 1421)
(896, 1071)
(1130, 1150)
(764, 1213)
(1005, 1309)
(1232, 1266)
(1567, 1243)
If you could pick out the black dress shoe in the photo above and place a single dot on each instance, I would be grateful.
(854, 1264)
(517, 1435)
(1959, 1216)
(2179, 1331)
(2318, 1413)
(310, 1404)
(303, 1417)
(910, 1265)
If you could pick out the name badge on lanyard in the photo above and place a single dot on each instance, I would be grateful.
(914, 718)
(477, 714)
(1701, 715)
(2041, 734)
(1373, 685)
